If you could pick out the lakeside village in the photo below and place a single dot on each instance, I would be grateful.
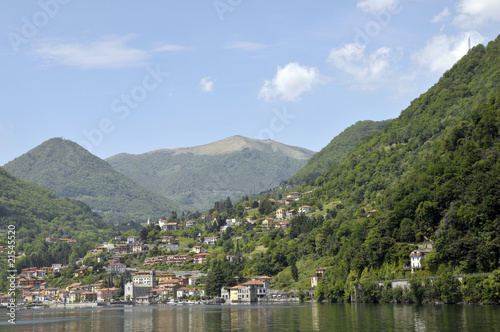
(155, 281)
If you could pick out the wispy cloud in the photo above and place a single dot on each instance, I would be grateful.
(441, 16)
(377, 6)
(442, 51)
(108, 52)
(206, 84)
(171, 48)
(290, 82)
(364, 71)
(476, 13)
(245, 46)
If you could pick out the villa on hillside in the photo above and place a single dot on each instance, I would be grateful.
(416, 256)
(320, 275)
(210, 240)
(305, 209)
(280, 213)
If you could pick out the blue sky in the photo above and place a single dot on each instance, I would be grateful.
(128, 76)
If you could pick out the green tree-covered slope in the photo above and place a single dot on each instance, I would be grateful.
(196, 177)
(431, 173)
(337, 150)
(35, 213)
(430, 176)
(71, 171)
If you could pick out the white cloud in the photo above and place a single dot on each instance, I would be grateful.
(442, 51)
(365, 72)
(475, 13)
(377, 6)
(109, 52)
(441, 16)
(291, 82)
(245, 46)
(170, 48)
(206, 84)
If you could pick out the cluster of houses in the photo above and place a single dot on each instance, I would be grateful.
(148, 286)
(251, 291)
(145, 287)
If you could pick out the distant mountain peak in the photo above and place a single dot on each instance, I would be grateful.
(238, 143)
(198, 176)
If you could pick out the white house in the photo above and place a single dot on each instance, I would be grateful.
(132, 239)
(210, 240)
(305, 209)
(416, 257)
(117, 267)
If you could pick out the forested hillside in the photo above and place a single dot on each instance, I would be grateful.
(71, 171)
(337, 150)
(431, 176)
(37, 213)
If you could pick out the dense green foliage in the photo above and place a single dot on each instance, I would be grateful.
(433, 172)
(337, 150)
(196, 180)
(444, 289)
(37, 213)
(431, 175)
(71, 171)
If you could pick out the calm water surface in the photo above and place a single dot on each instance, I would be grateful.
(262, 318)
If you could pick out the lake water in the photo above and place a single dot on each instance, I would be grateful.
(262, 318)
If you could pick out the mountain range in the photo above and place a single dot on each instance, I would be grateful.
(196, 177)
(71, 171)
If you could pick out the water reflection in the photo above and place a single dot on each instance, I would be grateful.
(263, 318)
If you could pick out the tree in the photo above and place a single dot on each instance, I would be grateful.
(73, 258)
(295, 272)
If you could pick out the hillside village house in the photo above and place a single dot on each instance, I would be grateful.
(170, 240)
(164, 277)
(268, 223)
(198, 249)
(150, 261)
(190, 223)
(122, 249)
(144, 278)
(116, 268)
(132, 239)
(137, 247)
(105, 293)
(201, 258)
(291, 214)
(282, 224)
(171, 226)
(210, 240)
(305, 209)
(192, 280)
(320, 275)
(416, 257)
(281, 213)
(178, 259)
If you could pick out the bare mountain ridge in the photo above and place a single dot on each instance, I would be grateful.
(235, 144)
